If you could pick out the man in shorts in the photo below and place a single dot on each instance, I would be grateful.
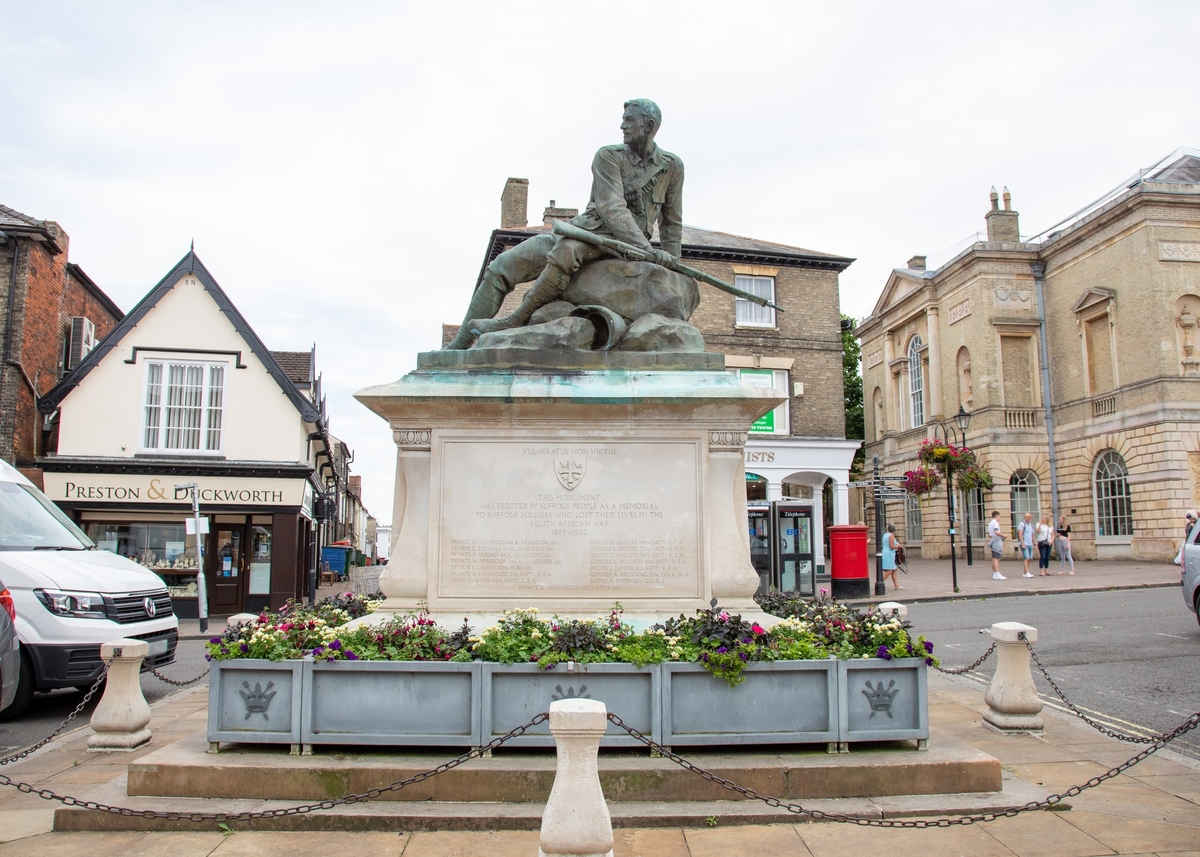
(996, 545)
(1025, 540)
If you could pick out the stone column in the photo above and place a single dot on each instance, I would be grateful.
(818, 529)
(120, 720)
(935, 409)
(774, 490)
(405, 579)
(841, 503)
(734, 579)
(1013, 703)
(576, 822)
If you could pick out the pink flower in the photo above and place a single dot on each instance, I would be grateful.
(757, 628)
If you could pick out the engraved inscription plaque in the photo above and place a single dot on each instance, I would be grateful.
(591, 519)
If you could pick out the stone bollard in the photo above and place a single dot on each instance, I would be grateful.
(120, 720)
(240, 619)
(1013, 703)
(886, 607)
(576, 820)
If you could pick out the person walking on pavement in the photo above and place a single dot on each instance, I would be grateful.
(1064, 546)
(996, 545)
(1025, 531)
(1045, 539)
(890, 545)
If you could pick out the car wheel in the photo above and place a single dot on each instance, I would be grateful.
(24, 690)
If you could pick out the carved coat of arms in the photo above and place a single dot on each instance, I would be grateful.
(570, 471)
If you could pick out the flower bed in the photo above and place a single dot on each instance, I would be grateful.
(410, 681)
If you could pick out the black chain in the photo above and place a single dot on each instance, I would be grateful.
(197, 817)
(190, 681)
(1120, 736)
(87, 697)
(961, 670)
(1188, 725)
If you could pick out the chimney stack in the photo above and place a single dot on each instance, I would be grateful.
(916, 263)
(553, 213)
(1002, 223)
(514, 204)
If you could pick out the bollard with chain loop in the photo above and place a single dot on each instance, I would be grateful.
(303, 809)
(918, 824)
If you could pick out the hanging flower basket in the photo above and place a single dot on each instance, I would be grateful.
(974, 478)
(922, 480)
(938, 453)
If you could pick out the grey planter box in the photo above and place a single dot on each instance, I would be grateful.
(883, 700)
(785, 702)
(418, 703)
(254, 701)
(514, 693)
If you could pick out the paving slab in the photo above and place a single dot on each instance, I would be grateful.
(1130, 835)
(311, 842)
(839, 840)
(767, 839)
(503, 843)
(1045, 834)
(650, 843)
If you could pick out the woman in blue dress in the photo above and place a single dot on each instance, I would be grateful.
(889, 555)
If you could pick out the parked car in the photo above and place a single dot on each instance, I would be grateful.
(70, 597)
(10, 650)
(1191, 572)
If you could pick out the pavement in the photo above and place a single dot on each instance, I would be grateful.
(932, 579)
(1151, 809)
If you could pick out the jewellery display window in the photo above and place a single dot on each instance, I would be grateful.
(164, 548)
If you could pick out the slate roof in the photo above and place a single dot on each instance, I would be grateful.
(189, 264)
(697, 244)
(297, 365)
(1185, 169)
(15, 222)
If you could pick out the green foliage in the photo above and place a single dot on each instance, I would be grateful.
(852, 389)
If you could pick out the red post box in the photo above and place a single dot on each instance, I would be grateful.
(850, 561)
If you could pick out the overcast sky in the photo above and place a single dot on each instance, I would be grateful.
(339, 165)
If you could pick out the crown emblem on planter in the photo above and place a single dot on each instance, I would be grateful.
(880, 698)
(570, 692)
(257, 700)
(569, 471)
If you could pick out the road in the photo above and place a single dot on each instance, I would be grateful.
(48, 710)
(1128, 657)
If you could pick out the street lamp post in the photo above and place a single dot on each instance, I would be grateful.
(961, 420)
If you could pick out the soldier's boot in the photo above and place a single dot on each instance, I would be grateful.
(546, 288)
(485, 303)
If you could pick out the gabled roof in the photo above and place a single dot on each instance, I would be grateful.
(298, 366)
(189, 264)
(899, 277)
(88, 283)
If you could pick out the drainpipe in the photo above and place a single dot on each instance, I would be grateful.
(1039, 274)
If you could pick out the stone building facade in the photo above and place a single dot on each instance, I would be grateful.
(1074, 353)
(41, 293)
(799, 448)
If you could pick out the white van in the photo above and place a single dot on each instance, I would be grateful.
(70, 597)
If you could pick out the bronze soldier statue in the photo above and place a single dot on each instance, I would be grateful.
(634, 185)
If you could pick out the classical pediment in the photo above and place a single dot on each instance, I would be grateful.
(1093, 298)
(900, 285)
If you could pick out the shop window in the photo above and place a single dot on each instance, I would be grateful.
(164, 548)
(916, 382)
(1023, 496)
(912, 519)
(778, 420)
(1110, 486)
(749, 314)
(184, 406)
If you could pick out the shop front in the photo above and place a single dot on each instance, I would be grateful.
(256, 531)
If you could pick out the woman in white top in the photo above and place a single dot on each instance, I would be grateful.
(1045, 539)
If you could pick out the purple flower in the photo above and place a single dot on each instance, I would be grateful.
(882, 652)
(350, 656)
(215, 640)
(317, 651)
(743, 656)
(929, 662)
(208, 657)
(224, 650)
(928, 647)
(722, 650)
(245, 648)
(335, 645)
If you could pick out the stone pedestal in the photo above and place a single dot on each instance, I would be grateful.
(1013, 703)
(120, 719)
(569, 490)
(576, 822)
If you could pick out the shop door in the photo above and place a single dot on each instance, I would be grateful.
(760, 545)
(794, 552)
(227, 570)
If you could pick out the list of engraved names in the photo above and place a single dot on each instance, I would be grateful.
(615, 519)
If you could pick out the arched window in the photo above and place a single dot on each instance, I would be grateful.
(912, 519)
(1023, 496)
(1110, 485)
(916, 382)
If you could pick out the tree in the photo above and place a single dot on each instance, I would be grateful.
(852, 385)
